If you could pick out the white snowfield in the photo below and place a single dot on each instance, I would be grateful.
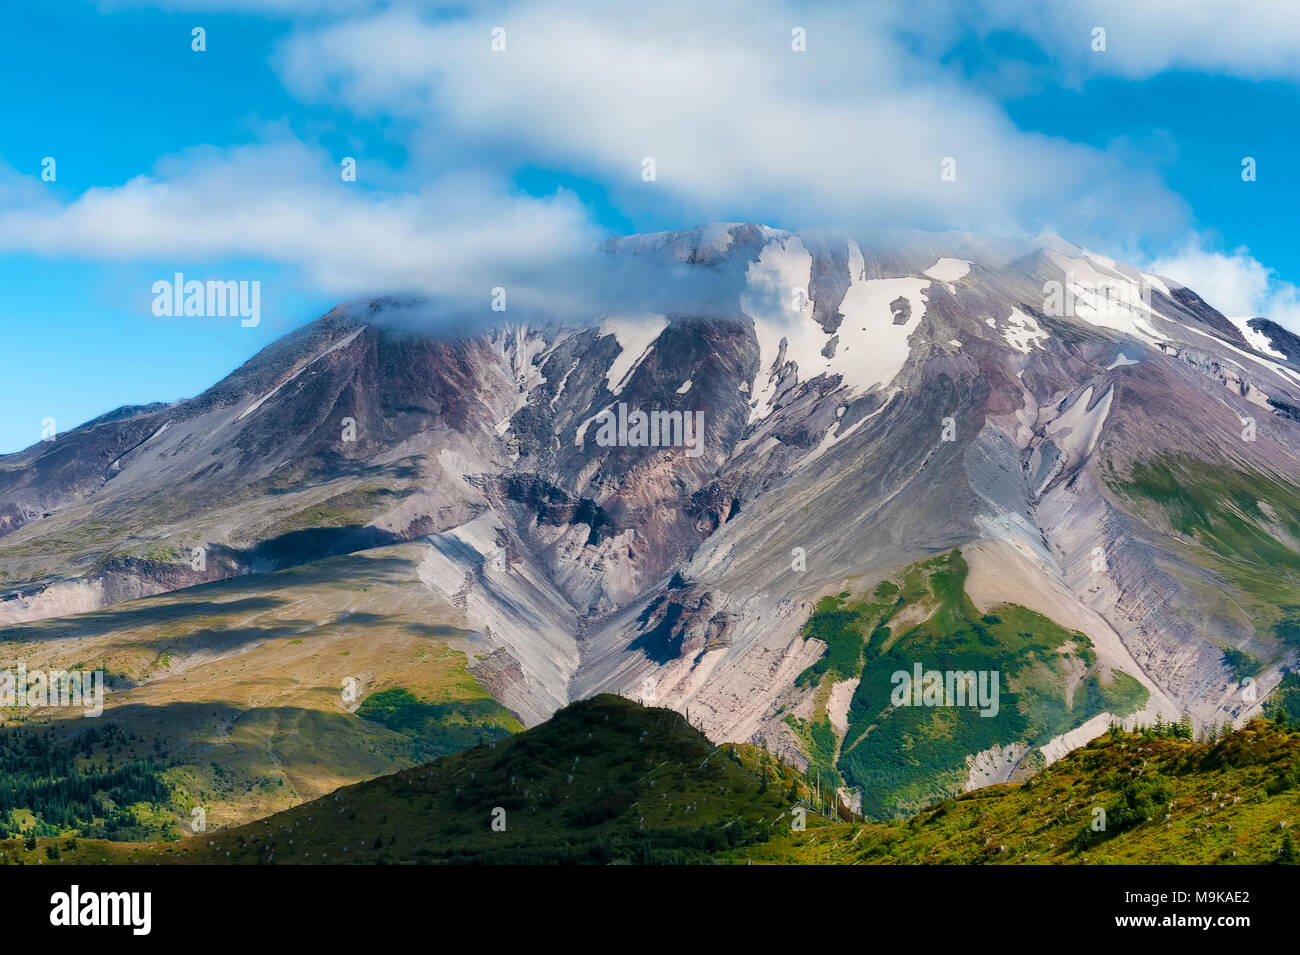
(1111, 299)
(1107, 299)
(1121, 361)
(871, 349)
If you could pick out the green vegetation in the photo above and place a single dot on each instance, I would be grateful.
(1284, 703)
(902, 757)
(1166, 800)
(1287, 627)
(438, 728)
(89, 784)
(820, 743)
(1242, 664)
(161, 553)
(841, 631)
(350, 508)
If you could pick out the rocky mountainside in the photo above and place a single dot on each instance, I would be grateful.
(1105, 451)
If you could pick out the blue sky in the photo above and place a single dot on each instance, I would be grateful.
(224, 164)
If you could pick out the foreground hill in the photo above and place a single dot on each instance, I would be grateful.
(604, 780)
(1162, 801)
(608, 781)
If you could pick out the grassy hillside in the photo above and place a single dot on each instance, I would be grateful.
(229, 696)
(605, 780)
(608, 781)
(900, 758)
(1234, 801)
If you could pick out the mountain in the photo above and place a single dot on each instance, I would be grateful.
(944, 451)
(608, 781)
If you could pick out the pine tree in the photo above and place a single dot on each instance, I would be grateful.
(1286, 854)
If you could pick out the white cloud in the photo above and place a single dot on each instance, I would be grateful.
(285, 202)
(1235, 283)
(851, 132)
(1253, 40)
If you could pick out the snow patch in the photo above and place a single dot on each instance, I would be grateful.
(563, 381)
(342, 342)
(1023, 332)
(1106, 300)
(831, 438)
(948, 270)
(580, 438)
(1120, 361)
(1104, 261)
(1255, 338)
(872, 348)
(1157, 283)
(1267, 363)
(166, 425)
(783, 267)
(636, 337)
